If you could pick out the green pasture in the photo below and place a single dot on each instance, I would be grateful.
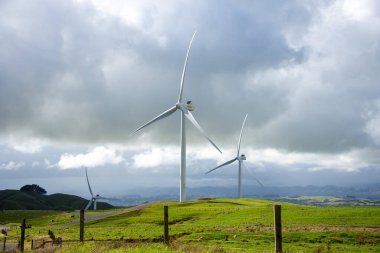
(218, 225)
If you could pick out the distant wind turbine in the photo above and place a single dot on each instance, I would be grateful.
(239, 158)
(93, 198)
(185, 109)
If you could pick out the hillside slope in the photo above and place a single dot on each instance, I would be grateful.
(210, 225)
(19, 200)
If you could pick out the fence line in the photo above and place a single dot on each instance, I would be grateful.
(40, 243)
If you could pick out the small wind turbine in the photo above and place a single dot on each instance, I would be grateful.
(239, 158)
(185, 109)
(93, 198)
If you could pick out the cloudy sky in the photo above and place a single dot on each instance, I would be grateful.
(78, 77)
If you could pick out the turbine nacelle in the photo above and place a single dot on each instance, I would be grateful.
(188, 105)
(242, 157)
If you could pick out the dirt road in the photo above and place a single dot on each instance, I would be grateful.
(93, 217)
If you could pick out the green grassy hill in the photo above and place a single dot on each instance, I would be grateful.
(217, 225)
(19, 200)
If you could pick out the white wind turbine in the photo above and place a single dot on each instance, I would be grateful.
(239, 158)
(93, 198)
(185, 109)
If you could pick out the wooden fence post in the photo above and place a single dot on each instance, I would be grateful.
(4, 243)
(81, 226)
(166, 225)
(31, 245)
(278, 228)
(22, 240)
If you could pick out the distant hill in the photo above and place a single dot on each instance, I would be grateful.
(19, 200)
(280, 193)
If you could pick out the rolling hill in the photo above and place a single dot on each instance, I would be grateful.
(207, 225)
(19, 200)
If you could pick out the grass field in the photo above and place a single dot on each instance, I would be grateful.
(218, 225)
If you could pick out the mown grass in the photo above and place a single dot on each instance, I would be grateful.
(225, 225)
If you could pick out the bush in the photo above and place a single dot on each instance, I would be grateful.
(33, 188)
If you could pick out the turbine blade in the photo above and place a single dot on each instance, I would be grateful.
(190, 116)
(241, 133)
(184, 70)
(88, 182)
(224, 164)
(88, 205)
(161, 116)
(253, 175)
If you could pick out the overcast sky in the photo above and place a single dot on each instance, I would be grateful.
(78, 77)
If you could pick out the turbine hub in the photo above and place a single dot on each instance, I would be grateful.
(243, 157)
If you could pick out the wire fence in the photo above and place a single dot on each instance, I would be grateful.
(205, 227)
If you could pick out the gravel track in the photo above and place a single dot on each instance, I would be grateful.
(92, 217)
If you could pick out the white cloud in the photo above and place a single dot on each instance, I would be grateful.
(26, 145)
(358, 9)
(206, 152)
(170, 155)
(353, 160)
(99, 156)
(157, 157)
(12, 165)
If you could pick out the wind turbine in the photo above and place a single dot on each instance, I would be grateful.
(186, 109)
(93, 198)
(239, 158)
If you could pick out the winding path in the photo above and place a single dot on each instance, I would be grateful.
(92, 217)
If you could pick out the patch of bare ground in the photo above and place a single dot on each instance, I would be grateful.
(258, 229)
(332, 228)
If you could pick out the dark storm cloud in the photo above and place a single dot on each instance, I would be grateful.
(306, 72)
(50, 68)
(56, 57)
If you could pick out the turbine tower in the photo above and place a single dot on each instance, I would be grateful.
(93, 198)
(186, 109)
(239, 158)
